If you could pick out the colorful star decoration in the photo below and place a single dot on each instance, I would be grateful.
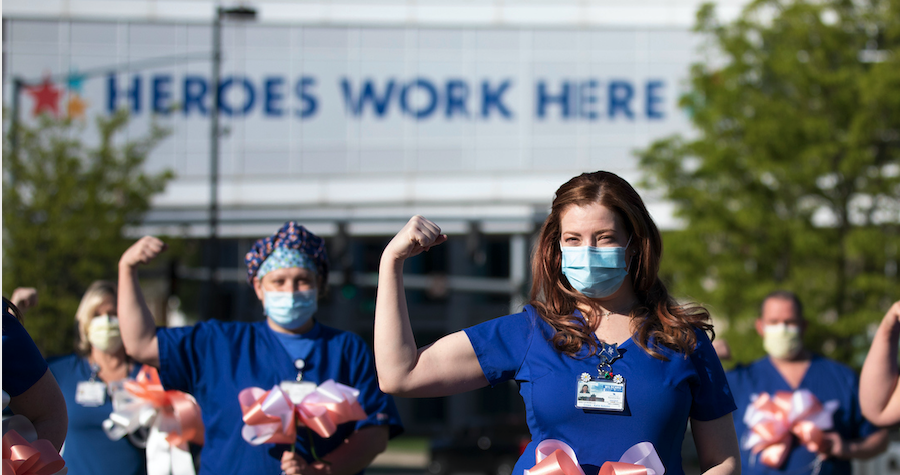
(46, 97)
(75, 81)
(76, 106)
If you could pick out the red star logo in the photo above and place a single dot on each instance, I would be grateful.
(46, 97)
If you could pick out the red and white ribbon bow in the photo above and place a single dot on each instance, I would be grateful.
(555, 457)
(774, 420)
(271, 416)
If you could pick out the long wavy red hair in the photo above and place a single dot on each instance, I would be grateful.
(657, 315)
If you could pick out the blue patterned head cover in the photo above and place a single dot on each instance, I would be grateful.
(290, 236)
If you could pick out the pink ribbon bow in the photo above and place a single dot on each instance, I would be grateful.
(555, 457)
(35, 458)
(774, 420)
(271, 416)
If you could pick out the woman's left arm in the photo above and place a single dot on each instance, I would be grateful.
(353, 456)
(717, 446)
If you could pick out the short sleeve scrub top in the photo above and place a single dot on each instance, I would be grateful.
(660, 395)
(88, 450)
(215, 360)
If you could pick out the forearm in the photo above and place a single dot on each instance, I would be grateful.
(355, 454)
(717, 446)
(43, 404)
(136, 323)
(878, 402)
(395, 347)
(868, 447)
(730, 466)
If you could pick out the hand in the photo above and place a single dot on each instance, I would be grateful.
(292, 463)
(833, 446)
(892, 317)
(142, 252)
(24, 298)
(417, 236)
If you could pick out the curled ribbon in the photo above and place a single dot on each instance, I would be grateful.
(271, 416)
(23, 452)
(555, 457)
(172, 417)
(774, 420)
(21, 457)
(268, 416)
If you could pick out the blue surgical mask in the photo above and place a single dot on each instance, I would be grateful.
(290, 310)
(596, 272)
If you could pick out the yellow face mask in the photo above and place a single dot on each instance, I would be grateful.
(782, 341)
(103, 334)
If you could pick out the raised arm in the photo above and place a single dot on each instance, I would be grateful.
(135, 320)
(879, 397)
(448, 366)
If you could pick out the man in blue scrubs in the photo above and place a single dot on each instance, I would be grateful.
(789, 367)
(215, 360)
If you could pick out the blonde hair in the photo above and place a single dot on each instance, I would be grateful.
(98, 291)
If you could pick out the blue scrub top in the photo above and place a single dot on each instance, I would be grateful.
(215, 360)
(827, 380)
(88, 451)
(23, 364)
(660, 395)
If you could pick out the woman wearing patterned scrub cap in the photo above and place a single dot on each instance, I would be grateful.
(214, 360)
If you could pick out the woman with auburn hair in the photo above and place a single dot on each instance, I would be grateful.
(598, 314)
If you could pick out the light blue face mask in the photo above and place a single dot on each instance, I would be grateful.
(596, 272)
(290, 310)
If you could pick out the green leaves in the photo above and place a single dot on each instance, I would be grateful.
(793, 180)
(64, 208)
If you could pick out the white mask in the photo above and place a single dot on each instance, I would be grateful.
(103, 334)
(782, 341)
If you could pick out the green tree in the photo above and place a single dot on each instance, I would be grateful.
(793, 177)
(65, 206)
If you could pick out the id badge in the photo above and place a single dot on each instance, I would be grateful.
(90, 393)
(603, 395)
(297, 390)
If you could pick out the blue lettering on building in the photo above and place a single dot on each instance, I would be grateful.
(249, 96)
(457, 95)
(493, 99)
(113, 93)
(654, 100)
(575, 99)
(304, 92)
(546, 98)
(418, 98)
(620, 95)
(162, 94)
(453, 96)
(272, 96)
(430, 103)
(367, 95)
(195, 89)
